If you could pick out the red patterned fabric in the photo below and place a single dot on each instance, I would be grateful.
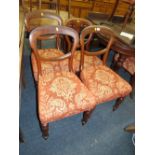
(60, 65)
(128, 64)
(88, 60)
(62, 94)
(104, 83)
(49, 66)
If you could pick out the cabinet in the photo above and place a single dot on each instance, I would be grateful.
(80, 8)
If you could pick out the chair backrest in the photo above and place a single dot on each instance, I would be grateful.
(40, 15)
(53, 30)
(78, 24)
(106, 32)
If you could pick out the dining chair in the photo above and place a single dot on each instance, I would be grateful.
(128, 64)
(60, 93)
(78, 24)
(130, 10)
(37, 18)
(103, 82)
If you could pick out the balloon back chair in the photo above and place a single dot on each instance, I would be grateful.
(104, 83)
(127, 62)
(79, 24)
(60, 93)
(37, 18)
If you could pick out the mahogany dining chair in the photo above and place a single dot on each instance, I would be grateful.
(103, 82)
(60, 92)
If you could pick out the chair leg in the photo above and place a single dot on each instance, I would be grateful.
(44, 129)
(86, 116)
(21, 138)
(118, 102)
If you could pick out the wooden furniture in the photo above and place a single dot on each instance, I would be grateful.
(131, 5)
(41, 17)
(31, 5)
(104, 83)
(21, 75)
(124, 56)
(34, 19)
(78, 24)
(60, 93)
(130, 128)
(81, 8)
(126, 62)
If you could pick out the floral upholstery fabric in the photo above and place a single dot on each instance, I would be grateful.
(88, 60)
(60, 65)
(104, 83)
(62, 94)
(128, 64)
(49, 66)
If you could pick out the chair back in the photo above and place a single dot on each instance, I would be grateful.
(53, 30)
(106, 32)
(78, 24)
(41, 17)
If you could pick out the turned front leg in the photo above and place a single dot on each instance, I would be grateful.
(86, 116)
(44, 129)
(118, 102)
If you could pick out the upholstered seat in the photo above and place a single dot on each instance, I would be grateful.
(104, 83)
(89, 61)
(128, 63)
(61, 94)
(49, 66)
(61, 65)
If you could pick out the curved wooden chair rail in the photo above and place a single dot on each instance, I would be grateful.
(57, 30)
(60, 93)
(78, 24)
(99, 74)
(41, 14)
(96, 29)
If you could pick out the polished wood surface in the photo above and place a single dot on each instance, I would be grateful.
(53, 30)
(21, 36)
(21, 44)
(78, 24)
(81, 8)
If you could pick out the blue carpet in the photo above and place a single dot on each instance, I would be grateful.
(102, 135)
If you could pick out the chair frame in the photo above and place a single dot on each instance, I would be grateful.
(41, 14)
(43, 30)
(111, 37)
(78, 24)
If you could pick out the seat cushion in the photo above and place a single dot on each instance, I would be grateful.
(104, 83)
(62, 94)
(128, 63)
(88, 60)
(60, 65)
(49, 66)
